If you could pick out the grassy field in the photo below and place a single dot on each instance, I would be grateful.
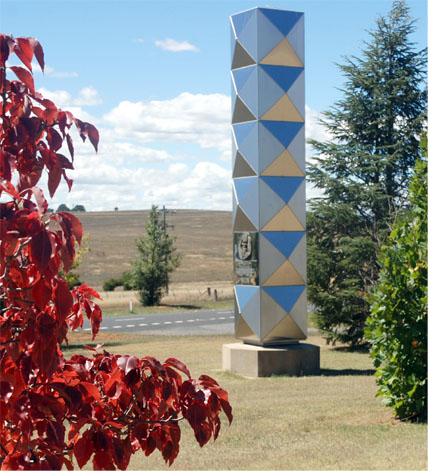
(204, 238)
(330, 421)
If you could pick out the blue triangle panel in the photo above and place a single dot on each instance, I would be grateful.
(242, 131)
(284, 241)
(282, 19)
(268, 36)
(285, 296)
(248, 36)
(284, 131)
(240, 76)
(243, 186)
(285, 187)
(269, 92)
(244, 295)
(247, 138)
(283, 76)
(247, 89)
(240, 20)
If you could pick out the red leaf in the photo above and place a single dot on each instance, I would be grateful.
(24, 76)
(42, 204)
(88, 130)
(55, 433)
(6, 47)
(41, 293)
(179, 365)
(38, 51)
(63, 300)
(54, 179)
(8, 188)
(24, 51)
(128, 363)
(83, 450)
(41, 249)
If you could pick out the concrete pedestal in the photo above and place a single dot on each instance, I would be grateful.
(251, 360)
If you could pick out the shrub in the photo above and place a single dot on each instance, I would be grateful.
(397, 327)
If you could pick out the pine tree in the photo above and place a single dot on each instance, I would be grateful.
(156, 260)
(364, 172)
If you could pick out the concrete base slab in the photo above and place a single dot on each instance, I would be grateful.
(251, 360)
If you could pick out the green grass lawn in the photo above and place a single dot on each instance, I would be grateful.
(169, 307)
(329, 421)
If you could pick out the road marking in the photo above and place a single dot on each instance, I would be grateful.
(130, 325)
(232, 317)
(222, 318)
(142, 325)
(117, 327)
(190, 320)
(103, 328)
(87, 330)
(167, 322)
(178, 322)
(155, 323)
(212, 319)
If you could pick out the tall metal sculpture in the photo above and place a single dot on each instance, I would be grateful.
(269, 176)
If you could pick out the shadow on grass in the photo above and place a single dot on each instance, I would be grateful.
(345, 372)
(81, 346)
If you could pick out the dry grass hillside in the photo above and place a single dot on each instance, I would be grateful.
(204, 238)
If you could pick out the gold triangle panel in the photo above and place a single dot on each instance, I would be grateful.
(282, 54)
(242, 168)
(286, 275)
(283, 166)
(283, 110)
(242, 223)
(285, 329)
(285, 220)
(298, 258)
(241, 113)
(243, 330)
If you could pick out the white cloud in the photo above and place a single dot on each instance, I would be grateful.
(172, 45)
(51, 72)
(138, 40)
(187, 118)
(88, 96)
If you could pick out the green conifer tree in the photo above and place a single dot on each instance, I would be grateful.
(156, 260)
(364, 171)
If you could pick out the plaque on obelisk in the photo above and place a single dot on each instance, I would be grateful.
(269, 204)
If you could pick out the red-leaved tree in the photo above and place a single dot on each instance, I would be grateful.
(105, 407)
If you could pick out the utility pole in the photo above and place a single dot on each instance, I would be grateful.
(165, 226)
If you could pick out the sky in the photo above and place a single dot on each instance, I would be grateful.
(154, 77)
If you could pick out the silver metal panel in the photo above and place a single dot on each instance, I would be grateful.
(269, 92)
(241, 58)
(267, 36)
(251, 313)
(242, 168)
(299, 313)
(298, 258)
(297, 148)
(297, 203)
(241, 113)
(297, 94)
(296, 38)
(270, 259)
(270, 203)
(268, 146)
(250, 203)
(273, 313)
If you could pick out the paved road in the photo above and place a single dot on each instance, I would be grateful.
(180, 323)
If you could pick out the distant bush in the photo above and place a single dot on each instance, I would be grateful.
(79, 207)
(63, 207)
(397, 327)
(124, 280)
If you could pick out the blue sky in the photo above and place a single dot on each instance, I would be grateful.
(154, 77)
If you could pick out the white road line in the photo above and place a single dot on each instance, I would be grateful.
(87, 330)
(190, 320)
(103, 328)
(167, 322)
(117, 326)
(212, 319)
(142, 325)
(222, 318)
(130, 325)
(178, 322)
(232, 317)
(155, 323)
